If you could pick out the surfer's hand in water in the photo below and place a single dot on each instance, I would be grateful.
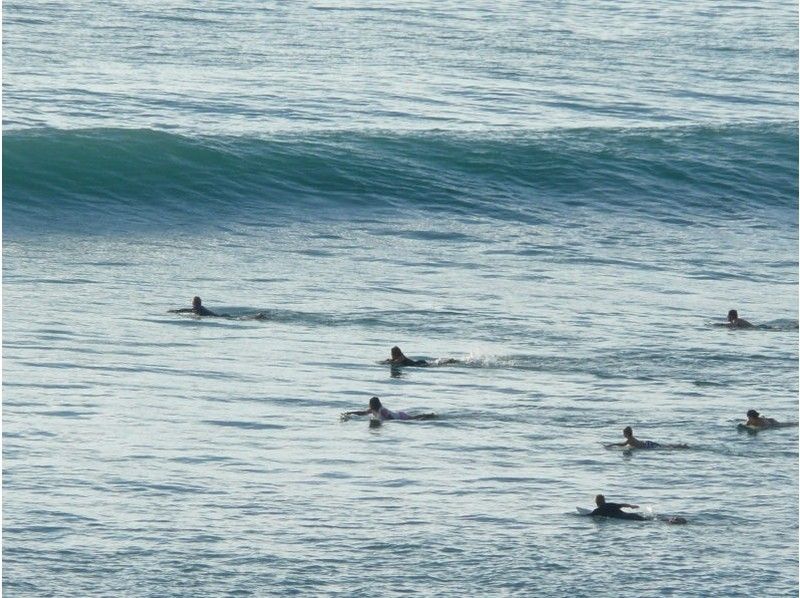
(344, 417)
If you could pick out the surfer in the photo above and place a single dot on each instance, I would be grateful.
(612, 509)
(378, 411)
(734, 321)
(755, 420)
(197, 309)
(633, 442)
(398, 359)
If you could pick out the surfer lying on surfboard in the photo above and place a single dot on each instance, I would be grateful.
(196, 309)
(398, 358)
(379, 412)
(734, 321)
(633, 442)
(614, 510)
(757, 422)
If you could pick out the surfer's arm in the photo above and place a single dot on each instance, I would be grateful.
(345, 415)
(616, 444)
(365, 412)
(184, 310)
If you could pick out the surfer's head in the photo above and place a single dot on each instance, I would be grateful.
(397, 353)
(627, 432)
(600, 500)
(375, 404)
(733, 315)
(196, 302)
(752, 414)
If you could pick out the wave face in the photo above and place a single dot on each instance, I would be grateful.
(118, 179)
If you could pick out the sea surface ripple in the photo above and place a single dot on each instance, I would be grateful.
(565, 198)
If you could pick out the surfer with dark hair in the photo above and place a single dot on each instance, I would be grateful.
(612, 509)
(196, 309)
(379, 412)
(398, 359)
(734, 321)
(633, 442)
(757, 421)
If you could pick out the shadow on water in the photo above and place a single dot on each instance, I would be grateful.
(781, 325)
(244, 425)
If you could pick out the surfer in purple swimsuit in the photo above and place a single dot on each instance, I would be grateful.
(633, 442)
(378, 411)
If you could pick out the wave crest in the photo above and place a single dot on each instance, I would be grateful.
(156, 177)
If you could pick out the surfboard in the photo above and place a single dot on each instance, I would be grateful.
(665, 518)
(748, 429)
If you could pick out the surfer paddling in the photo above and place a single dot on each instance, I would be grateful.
(399, 359)
(614, 511)
(633, 442)
(196, 309)
(757, 421)
(734, 321)
(381, 413)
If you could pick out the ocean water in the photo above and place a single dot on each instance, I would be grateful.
(564, 197)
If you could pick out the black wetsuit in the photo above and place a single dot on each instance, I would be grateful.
(199, 311)
(411, 362)
(612, 509)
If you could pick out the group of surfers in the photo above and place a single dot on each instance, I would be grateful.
(198, 309)
(378, 413)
